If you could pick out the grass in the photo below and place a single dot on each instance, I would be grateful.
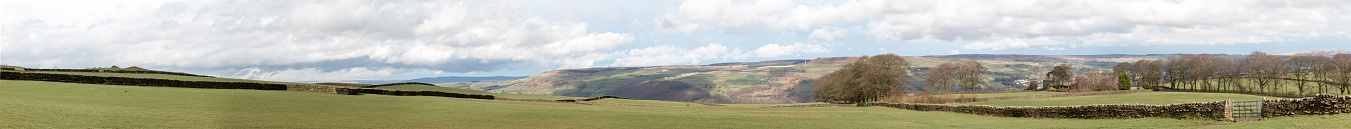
(33, 104)
(1130, 98)
(984, 95)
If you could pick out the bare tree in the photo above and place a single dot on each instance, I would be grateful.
(1265, 68)
(1300, 67)
(972, 74)
(940, 78)
(1341, 71)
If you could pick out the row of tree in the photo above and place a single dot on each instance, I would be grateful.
(967, 75)
(1265, 73)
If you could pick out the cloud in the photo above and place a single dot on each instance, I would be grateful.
(996, 25)
(438, 35)
(827, 33)
(775, 50)
(666, 55)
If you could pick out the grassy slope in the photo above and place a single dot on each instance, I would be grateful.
(1131, 98)
(32, 104)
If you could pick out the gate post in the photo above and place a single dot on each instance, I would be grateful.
(1229, 110)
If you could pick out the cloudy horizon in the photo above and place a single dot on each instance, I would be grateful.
(304, 40)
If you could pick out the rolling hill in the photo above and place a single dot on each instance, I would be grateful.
(789, 81)
(773, 82)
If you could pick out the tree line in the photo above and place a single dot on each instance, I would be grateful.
(1257, 73)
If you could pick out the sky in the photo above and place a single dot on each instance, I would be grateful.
(332, 40)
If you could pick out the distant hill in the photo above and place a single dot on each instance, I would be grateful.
(768, 82)
(449, 79)
(1315, 52)
(778, 81)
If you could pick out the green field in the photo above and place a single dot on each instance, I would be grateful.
(985, 95)
(32, 104)
(1129, 98)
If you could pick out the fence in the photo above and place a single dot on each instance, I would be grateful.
(1247, 110)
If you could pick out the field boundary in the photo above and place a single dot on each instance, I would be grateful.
(1191, 110)
(116, 71)
(1321, 104)
(69, 78)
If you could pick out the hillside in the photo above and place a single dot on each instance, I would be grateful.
(771, 82)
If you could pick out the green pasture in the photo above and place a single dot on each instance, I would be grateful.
(986, 95)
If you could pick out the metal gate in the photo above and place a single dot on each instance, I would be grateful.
(1247, 110)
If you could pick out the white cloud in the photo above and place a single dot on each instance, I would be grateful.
(775, 50)
(1014, 24)
(827, 33)
(667, 55)
(326, 36)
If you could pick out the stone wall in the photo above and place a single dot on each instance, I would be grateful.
(328, 89)
(1192, 110)
(1321, 104)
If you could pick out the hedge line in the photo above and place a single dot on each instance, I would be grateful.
(7, 75)
(116, 71)
(356, 91)
(1321, 104)
(1192, 110)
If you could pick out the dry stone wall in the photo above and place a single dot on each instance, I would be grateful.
(327, 89)
(1321, 104)
(1193, 110)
